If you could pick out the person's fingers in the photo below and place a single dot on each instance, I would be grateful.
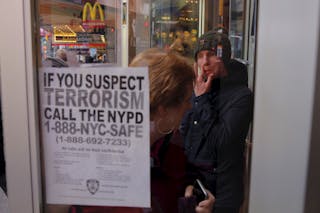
(207, 204)
(204, 206)
(195, 69)
(202, 78)
(189, 191)
(209, 80)
(200, 209)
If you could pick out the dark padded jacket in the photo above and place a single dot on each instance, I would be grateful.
(214, 132)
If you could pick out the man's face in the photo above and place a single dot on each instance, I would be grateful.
(210, 64)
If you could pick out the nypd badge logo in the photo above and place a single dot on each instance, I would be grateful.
(92, 185)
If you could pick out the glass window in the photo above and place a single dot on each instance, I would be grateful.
(138, 27)
(170, 24)
(236, 32)
(229, 14)
(75, 32)
(175, 25)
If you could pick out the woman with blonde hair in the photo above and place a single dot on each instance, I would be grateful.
(171, 79)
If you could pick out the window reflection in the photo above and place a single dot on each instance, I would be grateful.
(175, 25)
(85, 30)
(236, 32)
(90, 30)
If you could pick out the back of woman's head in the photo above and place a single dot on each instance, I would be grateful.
(170, 76)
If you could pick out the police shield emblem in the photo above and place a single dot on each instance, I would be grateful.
(92, 185)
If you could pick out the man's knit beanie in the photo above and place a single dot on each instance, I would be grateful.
(215, 40)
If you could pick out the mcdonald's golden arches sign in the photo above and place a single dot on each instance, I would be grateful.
(91, 17)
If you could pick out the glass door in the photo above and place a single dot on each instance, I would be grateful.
(110, 33)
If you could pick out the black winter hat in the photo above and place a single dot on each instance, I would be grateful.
(215, 40)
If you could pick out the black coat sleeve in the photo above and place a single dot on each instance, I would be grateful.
(227, 137)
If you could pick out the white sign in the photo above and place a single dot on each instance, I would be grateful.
(95, 135)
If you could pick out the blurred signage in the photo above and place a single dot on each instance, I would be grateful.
(73, 1)
(90, 38)
(63, 34)
(64, 39)
(90, 10)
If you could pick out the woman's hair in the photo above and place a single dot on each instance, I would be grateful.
(170, 76)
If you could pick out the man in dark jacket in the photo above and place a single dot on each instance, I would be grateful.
(216, 127)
